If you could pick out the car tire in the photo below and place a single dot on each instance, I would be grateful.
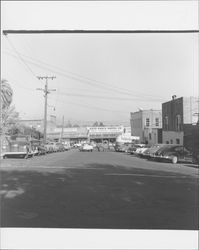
(174, 159)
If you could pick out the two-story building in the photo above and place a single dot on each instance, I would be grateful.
(176, 115)
(147, 124)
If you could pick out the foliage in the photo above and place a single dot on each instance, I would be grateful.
(6, 93)
(32, 132)
(98, 124)
(10, 119)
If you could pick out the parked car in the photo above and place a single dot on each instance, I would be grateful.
(140, 151)
(35, 151)
(122, 147)
(77, 145)
(67, 147)
(18, 149)
(51, 147)
(134, 147)
(86, 147)
(149, 153)
(174, 154)
(60, 147)
(41, 150)
(55, 146)
(48, 148)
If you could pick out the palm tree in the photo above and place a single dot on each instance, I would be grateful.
(6, 93)
(5, 101)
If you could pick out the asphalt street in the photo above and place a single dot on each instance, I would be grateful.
(98, 190)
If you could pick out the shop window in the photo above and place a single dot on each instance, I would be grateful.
(177, 141)
(147, 122)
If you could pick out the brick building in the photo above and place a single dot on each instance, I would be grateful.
(176, 114)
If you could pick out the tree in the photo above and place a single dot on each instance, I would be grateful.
(10, 118)
(6, 93)
(95, 124)
(30, 131)
(101, 124)
(98, 124)
(69, 125)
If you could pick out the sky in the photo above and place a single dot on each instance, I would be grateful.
(99, 77)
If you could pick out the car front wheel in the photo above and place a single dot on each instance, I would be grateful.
(174, 159)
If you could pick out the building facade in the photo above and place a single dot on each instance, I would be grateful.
(176, 114)
(105, 133)
(73, 135)
(82, 134)
(147, 124)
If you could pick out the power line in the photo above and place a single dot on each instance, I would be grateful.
(21, 58)
(92, 107)
(108, 97)
(105, 97)
(88, 81)
(108, 86)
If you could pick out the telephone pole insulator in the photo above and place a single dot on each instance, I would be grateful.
(46, 91)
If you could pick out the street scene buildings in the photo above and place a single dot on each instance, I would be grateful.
(176, 115)
(147, 124)
(99, 128)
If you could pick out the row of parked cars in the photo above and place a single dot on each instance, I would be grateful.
(27, 150)
(89, 147)
(52, 147)
(163, 152)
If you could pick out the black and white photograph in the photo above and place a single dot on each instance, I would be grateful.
(99, 135)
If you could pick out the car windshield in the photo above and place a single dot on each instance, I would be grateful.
(166, 148)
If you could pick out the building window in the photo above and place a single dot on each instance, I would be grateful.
(167, 142)
(178, 122)
(147, 122)
(171, 141)
(177, 141)
(157, 122)
(166, 123)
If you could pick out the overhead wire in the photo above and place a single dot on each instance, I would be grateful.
(87, 80)
(102, 97)
(91, 106)
(72, 94)
(21, 58)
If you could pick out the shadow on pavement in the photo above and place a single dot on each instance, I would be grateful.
(192, 165)
(98, 196)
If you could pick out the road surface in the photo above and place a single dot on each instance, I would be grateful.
(98, 190)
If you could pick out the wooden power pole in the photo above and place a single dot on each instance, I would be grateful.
(46, 91)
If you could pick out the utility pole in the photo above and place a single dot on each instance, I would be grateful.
(62, 130)
(1, 120)
(46, 91)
